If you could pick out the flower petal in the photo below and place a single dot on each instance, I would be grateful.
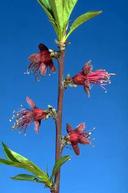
(43, 69)
(84, 140)
(87, 68)
(37, 125)
(76, 149)
(34, 58)
(42, 47)
(30, 102)
(52, 67)
(80, 127)
(87, 87)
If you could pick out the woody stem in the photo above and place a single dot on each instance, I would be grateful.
(59, 116)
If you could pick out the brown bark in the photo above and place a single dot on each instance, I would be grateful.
(59, 117)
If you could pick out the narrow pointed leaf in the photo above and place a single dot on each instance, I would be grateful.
(57, 8)
(45, 3)
(11, 163)
(17, 164)
(6, 162)
(25, 177)
(68, 8)
(8, 153)
(47, 9)
(58, 164)
(82, 19)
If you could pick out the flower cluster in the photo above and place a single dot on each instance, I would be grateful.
(25, 117)
(41, 61)
(87, 76)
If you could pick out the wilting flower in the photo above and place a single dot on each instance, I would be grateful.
(76, 136)
(41, 61)
(86, 77)
(25, 117)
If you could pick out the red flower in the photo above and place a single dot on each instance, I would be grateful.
(76, 136)
(87, 77)
(41, 61)
(25, 117)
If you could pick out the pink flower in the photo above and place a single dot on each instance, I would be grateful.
(76, 136)
(25, 117)
(87, 77)
(41, 61)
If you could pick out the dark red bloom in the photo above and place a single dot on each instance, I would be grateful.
(25, 117)
(76, 136)
(41, 61)
(87, 77)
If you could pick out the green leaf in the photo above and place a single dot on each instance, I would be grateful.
(57, 8)
(62, 10)
(68, 8)
(47, 9)
(17, 160)
(25, 177)
(7, 162)
(11, 163)
(45, 3)
(58, 164)
(8, 153)
(82, 19)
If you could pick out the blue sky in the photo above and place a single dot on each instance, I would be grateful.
(101, 169)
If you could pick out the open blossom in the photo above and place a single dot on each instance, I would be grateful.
(41, 61)
(76, 136)
(25, 117)
(87, 77)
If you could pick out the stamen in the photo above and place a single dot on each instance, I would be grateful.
(91, 132)
(105, 90)
(112, 74)
(89, 62)
(27, 72)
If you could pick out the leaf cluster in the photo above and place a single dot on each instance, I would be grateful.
(59, 12)
(37, 174)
